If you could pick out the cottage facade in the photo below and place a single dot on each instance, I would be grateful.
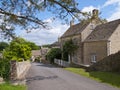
(95, 40)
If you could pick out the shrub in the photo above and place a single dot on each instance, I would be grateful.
(4, 68)
(53, 53)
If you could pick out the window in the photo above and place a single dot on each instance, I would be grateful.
(92, 26)
(93, 58)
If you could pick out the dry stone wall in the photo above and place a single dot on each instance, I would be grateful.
(110, 63)
(18, 69)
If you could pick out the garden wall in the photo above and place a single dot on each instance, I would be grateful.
(110, 64)
(18, 70)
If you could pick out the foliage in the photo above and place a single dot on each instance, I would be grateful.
(38, 59)
(68, 48)
(20, 40)
(3, 45)
(18, 50)
(47, 46)
(4, 68)
(26, 13)
(90, 16)
(104, 77)
(32, 45)
(53, 53)
(12, 87)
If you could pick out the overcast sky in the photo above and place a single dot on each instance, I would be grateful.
(110, 10)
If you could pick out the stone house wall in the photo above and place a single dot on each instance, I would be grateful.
(94, 51)
(86, 32)
(115, 41)
(77, 55)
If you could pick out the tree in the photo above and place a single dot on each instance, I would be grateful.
(53, 53)
(26, 13)
(68, 48)
(46, 46)
(18, 50)
(20, 40)
(32, 45)
(3, 45)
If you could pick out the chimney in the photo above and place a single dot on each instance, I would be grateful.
(95, 14)
(72, 22)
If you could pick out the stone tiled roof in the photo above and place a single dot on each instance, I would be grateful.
(75, 29)
(55, 44)
(103, 31)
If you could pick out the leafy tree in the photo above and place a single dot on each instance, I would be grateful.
(17, 50)
(46, 46)
(3, 45)
(26, 13)
(68, 48)
(32, 45)
(53, 53)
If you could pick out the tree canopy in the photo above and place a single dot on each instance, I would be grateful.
(19, 49)
(3, 45)
(32, 45)
(26, 13)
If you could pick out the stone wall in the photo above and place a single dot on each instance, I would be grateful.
(110, 63)
(115, 41)
(99, 48)
(18, 69)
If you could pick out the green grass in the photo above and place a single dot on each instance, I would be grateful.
(104, 77)
(12, 87)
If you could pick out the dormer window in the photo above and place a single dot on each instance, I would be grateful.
(92, 27)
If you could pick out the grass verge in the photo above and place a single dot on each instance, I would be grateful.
(104, 77)
(12, 87)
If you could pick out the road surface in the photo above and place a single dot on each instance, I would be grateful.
(48, 77)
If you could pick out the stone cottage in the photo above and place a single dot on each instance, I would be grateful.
(95, 40)
(103, 41)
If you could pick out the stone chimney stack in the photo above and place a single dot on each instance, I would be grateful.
(72, 22)
(95, 14)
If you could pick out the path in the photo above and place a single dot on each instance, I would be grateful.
(47, 77)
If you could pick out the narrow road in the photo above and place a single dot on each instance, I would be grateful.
(48, 77)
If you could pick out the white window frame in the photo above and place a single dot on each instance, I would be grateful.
(93, 58)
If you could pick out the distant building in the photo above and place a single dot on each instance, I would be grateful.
(35, 54)
(44, 52)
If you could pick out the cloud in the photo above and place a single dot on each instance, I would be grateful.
(115, 15)
(88, 9)
(116, 11)
(43, 36)
(111, 2)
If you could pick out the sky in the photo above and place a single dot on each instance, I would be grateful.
(109, 9)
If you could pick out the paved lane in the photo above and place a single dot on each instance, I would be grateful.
(47, 77)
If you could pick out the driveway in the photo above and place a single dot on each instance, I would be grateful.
(48, 77)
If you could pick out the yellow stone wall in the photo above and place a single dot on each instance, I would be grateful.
(99, 48)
